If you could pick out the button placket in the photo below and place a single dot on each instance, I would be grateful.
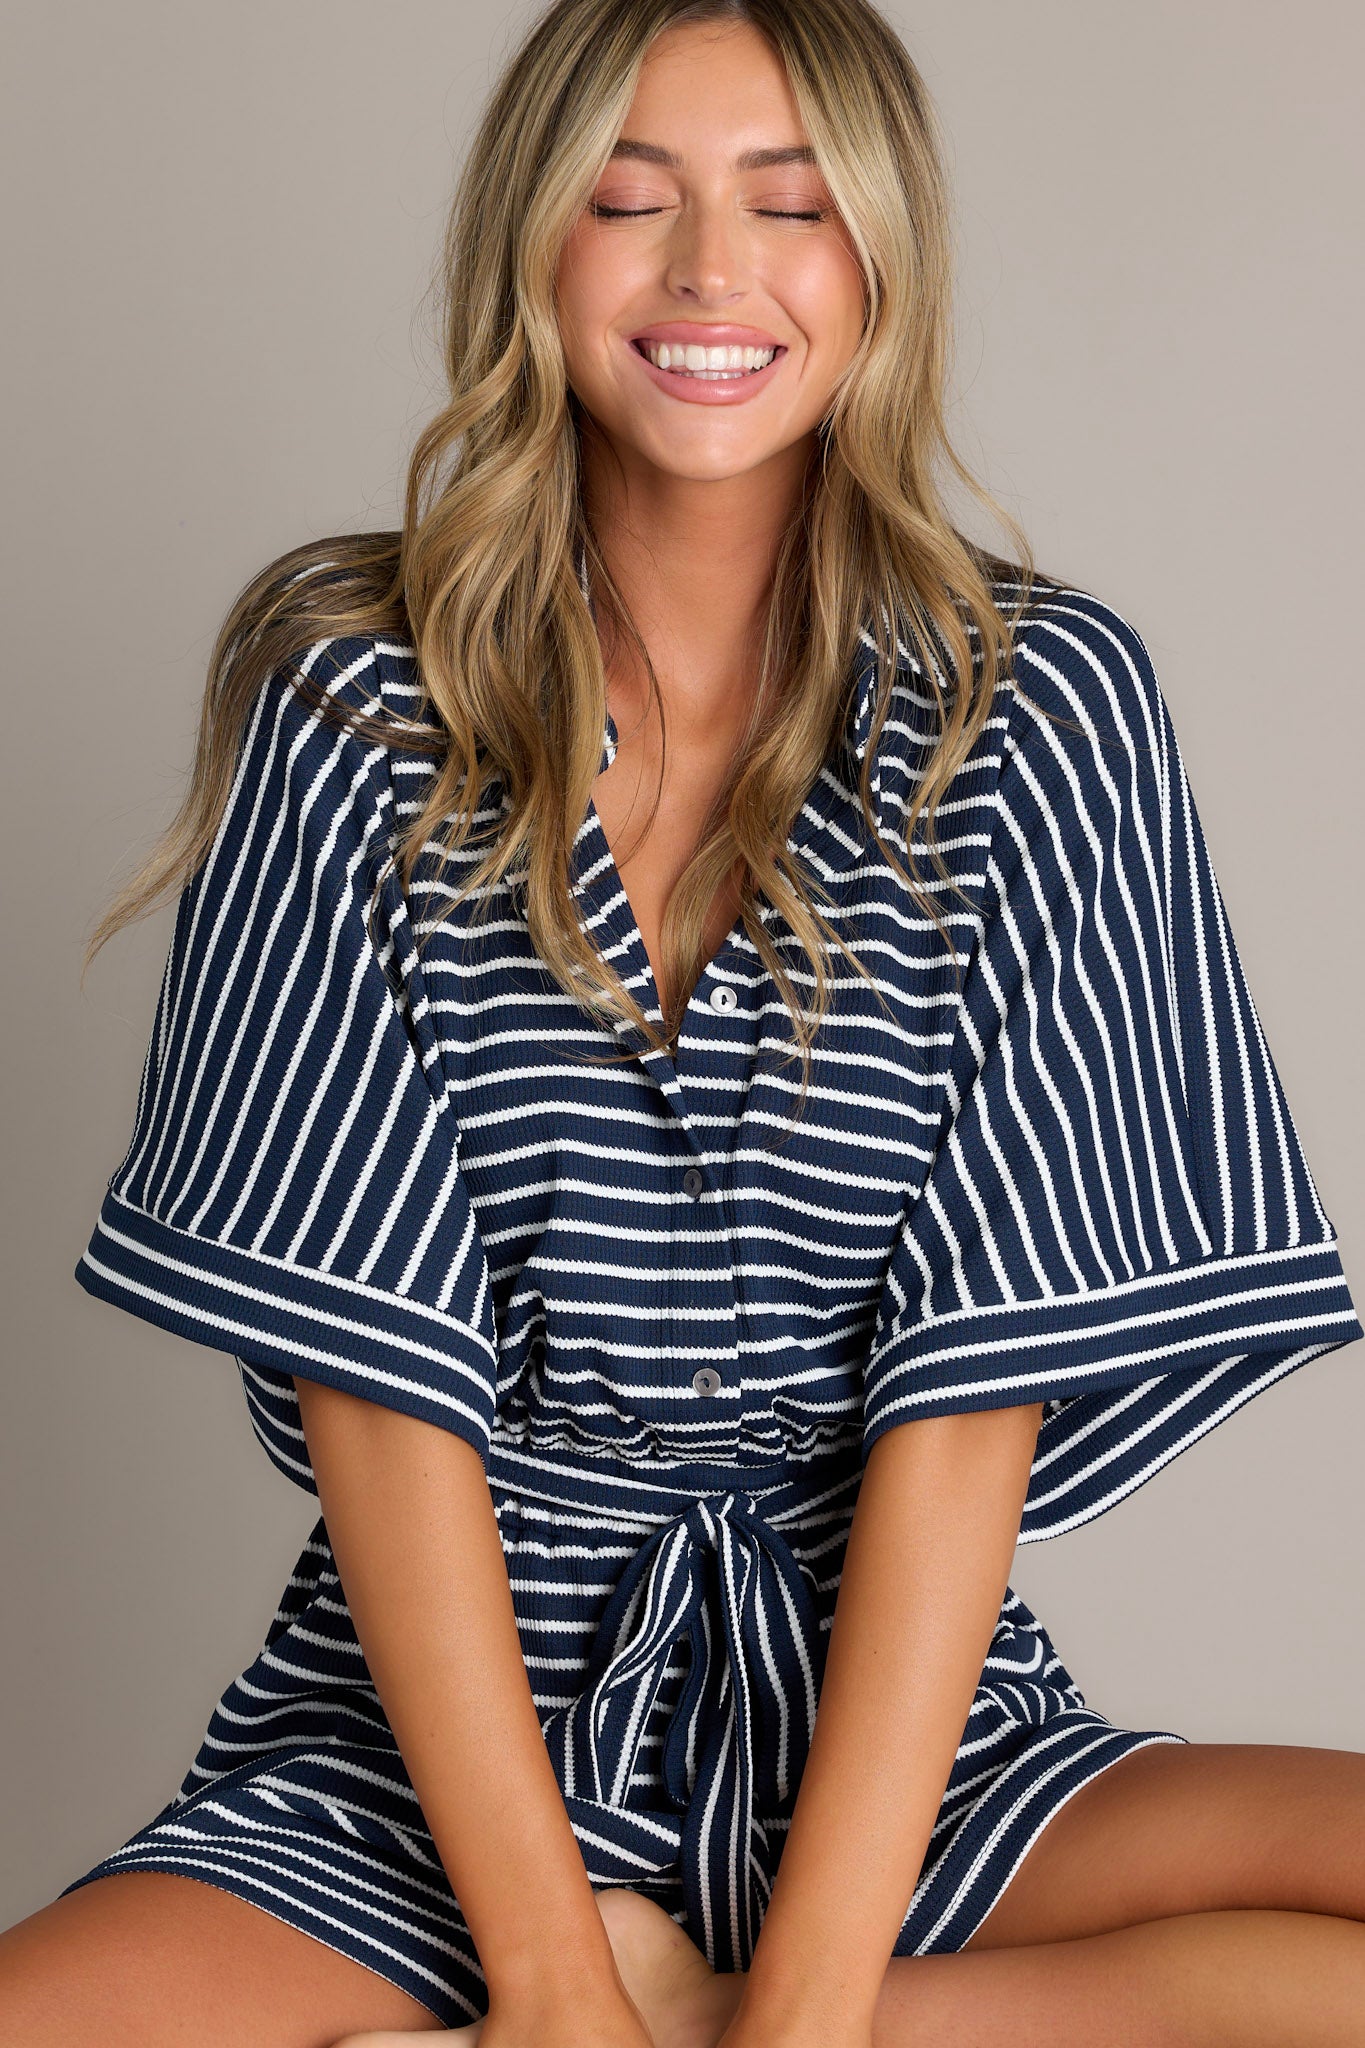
(706, 1380)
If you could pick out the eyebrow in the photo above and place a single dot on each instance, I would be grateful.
(747, 160)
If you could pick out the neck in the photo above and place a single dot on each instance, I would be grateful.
(695, 563)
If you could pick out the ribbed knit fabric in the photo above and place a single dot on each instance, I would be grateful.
(672, 1323)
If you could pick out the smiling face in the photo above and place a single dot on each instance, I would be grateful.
(707, 229)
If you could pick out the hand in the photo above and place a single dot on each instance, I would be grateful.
(750, 2032)
(614, 2022)
(734, 2038)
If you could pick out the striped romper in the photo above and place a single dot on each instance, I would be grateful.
(672, 1320)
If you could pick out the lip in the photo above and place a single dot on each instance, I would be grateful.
(709, 335)
(737, 390)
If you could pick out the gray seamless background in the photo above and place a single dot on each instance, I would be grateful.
(221, 224)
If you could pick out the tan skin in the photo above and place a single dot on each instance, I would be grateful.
(689, 501)
(1202, 1894)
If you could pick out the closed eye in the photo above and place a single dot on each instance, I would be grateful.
(642, 213)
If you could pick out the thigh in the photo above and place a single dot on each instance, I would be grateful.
(1193, 1828)
(147, 1959)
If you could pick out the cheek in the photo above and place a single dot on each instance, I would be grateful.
(576, 329)
(591, 287)
(568, 283)
(826, 300)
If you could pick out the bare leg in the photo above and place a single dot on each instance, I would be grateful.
(1200, 1895)
(144, 1959)
(1242, 1979)
(1193, 1828)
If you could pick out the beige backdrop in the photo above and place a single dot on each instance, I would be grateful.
(221, 224)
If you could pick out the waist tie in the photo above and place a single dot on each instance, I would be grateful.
(722, 1577)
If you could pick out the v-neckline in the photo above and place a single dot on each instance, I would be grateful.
(616, 901)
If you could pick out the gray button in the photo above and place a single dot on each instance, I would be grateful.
(694, 1180)
(707, 1381)
(723, 996)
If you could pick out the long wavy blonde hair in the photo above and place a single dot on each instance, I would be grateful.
(482, 581)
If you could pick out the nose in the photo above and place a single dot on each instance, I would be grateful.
(724, 1579)
(707, 258)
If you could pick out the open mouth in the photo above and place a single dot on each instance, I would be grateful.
(734, 373)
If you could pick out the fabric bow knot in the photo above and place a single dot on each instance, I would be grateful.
(723, 1577)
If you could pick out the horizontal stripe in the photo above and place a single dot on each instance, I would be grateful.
(375, 1145)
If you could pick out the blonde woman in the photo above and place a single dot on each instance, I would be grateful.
(703, 1079)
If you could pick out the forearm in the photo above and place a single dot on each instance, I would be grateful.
(926, 1567)
(416, 1543)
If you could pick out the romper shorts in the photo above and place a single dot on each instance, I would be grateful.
(674, 1649)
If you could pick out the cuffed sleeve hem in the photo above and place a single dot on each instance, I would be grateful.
(401, 1353)
(1290, 1302)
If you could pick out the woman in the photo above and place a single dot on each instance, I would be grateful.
(891, 1064)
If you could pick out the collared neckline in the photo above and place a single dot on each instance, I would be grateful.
(828, 832)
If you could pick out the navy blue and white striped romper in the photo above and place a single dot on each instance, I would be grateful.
(673, 1322)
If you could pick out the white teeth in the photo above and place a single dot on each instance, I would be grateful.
(691, 358)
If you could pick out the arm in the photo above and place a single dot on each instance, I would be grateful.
(925, 1571)
(416, 1543)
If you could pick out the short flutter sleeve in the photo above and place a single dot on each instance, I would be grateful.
(292, 1192)
(1118, 1219)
